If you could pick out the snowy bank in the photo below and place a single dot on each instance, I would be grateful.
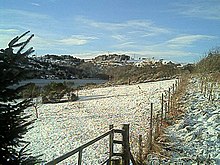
(196, 137)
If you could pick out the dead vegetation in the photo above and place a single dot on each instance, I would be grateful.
(161, 146)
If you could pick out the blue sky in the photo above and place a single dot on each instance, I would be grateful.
(177, 30)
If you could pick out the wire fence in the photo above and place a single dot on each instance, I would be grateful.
(159, 116)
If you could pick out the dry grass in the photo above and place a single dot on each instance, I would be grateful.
(161, 143)
(161, 146)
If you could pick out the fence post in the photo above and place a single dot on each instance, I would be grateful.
(126, 145)
(197, 160)
(77, 92)
(111, 137)
(165, 111)
(151, 127)
(162, 102)
(157, 127)
(115, 161)
(168, 106)
(171, 103)
(210, 92)
(178, 83)
(205, 88)
(140, 149)
(80, 157)
(202, 83)
(173, 97)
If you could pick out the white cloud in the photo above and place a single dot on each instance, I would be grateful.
(141, 37)
(126, 45)
(7, 35)
(9, 31)
(101, 25)
(146, 26)
(21, 14)
(120, 37)
(76, 40)
(200, 9)
(124, 35)
(41, 42)
(73, 41)
(131, 26)
(35, 4)
(187, 40)
(26, 20)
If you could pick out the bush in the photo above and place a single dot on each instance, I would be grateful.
(211, 63)
(54, 92)
(30, 90)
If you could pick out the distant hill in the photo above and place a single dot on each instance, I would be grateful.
(118, 68)
(55, 67)
(69, 67)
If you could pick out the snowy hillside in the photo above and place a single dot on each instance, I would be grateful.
(62, 127)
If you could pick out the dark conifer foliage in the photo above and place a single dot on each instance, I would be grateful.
(14, 123)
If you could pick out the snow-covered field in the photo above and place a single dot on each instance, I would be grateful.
(63, 127)
(195, 138)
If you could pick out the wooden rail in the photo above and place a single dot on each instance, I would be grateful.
(79, 150)
(126, 154)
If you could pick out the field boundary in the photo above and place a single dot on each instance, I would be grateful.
(157, 118)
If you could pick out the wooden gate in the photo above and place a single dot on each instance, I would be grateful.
(125, 156)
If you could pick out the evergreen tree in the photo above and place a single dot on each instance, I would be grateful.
(14, 123)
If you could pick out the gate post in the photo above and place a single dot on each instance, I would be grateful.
(111, 137)
(126, 145)
(162, 103)
(151, 128)
(168, 104)
(140, 149)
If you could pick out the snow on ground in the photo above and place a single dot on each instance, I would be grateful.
(63, 127)
(197, 135)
